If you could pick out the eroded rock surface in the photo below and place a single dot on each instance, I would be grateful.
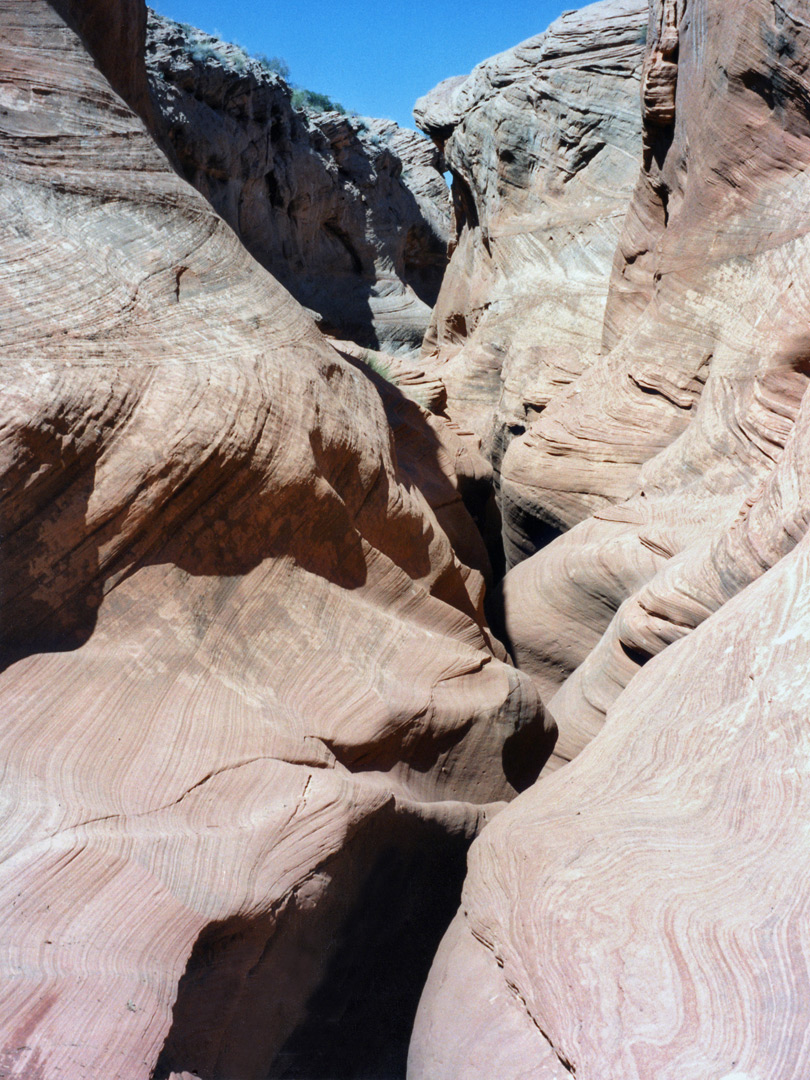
(642, 912)
(248, 693)
(672, 436)
(351, 214)
(544, 143)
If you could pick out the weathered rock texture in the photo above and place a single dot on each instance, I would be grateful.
(544, 143)
(463, 470)
(642, 913)
(673, 434)
(248, 693)
(350, 214)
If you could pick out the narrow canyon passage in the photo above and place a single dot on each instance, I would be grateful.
(403, 590)
(250, 695)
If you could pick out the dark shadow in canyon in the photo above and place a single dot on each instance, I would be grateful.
(526, 751)
(42, 610)
(386, 948)
(392, 891)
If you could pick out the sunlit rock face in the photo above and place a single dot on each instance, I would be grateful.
(249, 699)
(675, 435)
(642, 912)
(351, 214)
(544, 143)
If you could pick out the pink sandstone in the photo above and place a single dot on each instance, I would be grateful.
(248, 682)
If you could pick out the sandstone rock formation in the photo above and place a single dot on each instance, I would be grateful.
(642, 913)
(672, 434)
(544, 145)
(249, 698)
(423, 433)
(253, 713)
(351, 214)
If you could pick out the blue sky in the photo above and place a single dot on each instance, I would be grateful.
(374, 58)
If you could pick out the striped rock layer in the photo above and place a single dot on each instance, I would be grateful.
(643, 912)
(674, 439)
(544, 144)
(249, 698)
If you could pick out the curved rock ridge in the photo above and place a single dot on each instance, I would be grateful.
(690, 413)
(249, 696)
(544, 143)
(699, 290)
(419, 403)
(643, 913)
(351, 214)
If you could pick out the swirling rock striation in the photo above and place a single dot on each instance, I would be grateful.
(643, 911)
(351, 214)
(544, 143)
(690, 414)
(248, 691)
(702, 270)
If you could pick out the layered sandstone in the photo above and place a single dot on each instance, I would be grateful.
(351, 214)
(253, 710)
(642, 912)
(544, 145)
(671, 436)
(249, 696)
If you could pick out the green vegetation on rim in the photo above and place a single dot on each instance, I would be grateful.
(377, 365)
(311, 101)
(273, 63)
(203, 47)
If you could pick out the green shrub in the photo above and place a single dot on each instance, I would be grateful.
(273, 63)
(205, 50)
(203, 47)
(378, 365)
(311, 101)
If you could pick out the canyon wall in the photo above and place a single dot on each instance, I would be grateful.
(544, 144)
(675, 433)
(351, 214)
(642, 911)
(252, 712)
